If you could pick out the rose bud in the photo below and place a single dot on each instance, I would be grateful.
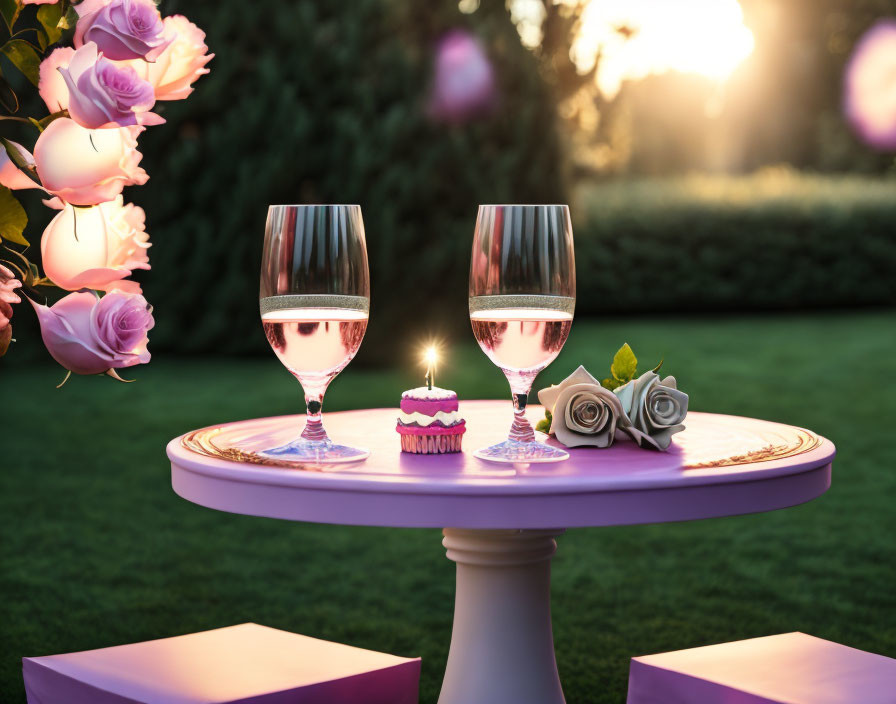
(11, 175)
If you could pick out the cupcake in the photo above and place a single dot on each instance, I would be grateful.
(429, 423)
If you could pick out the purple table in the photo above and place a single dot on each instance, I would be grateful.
(500, 521)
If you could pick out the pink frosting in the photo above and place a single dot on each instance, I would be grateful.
(434, 429)
(428, 401)
(428, 408)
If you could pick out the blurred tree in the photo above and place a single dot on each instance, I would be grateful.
(592, 139)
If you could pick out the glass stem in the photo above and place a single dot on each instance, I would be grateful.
(520, 385)
(314, 429)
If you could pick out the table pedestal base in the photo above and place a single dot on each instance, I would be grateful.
(502, 647)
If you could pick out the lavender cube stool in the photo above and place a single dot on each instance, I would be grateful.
(791, 668)
(248, 664)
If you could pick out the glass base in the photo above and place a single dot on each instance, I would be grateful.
(515, 451)
(317, 451)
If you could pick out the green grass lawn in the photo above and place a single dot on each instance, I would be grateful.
(97, 550)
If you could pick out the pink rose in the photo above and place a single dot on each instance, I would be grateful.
(10, 174)
(122, 29)
(104, 94)
(86, 167)
(39, 2)
(87, 335)
(8, 285)
(51, 85)
(182, 62)
(464, 83)
(96, 247)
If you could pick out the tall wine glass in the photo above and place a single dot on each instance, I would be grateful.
(522, 299)
(314, 300)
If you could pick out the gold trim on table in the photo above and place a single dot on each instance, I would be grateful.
(202, 442)
(803, 441)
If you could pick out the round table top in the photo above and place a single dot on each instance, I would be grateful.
(719, 466)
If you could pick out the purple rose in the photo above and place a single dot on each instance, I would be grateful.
(464, 82)
(104, 94)
(122, 29)
(87, 335)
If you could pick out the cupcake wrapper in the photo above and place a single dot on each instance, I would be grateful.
(431, 444)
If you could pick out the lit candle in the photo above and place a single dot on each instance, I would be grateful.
(430, 357)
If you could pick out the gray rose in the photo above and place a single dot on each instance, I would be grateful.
(655, 408)
(584, 412)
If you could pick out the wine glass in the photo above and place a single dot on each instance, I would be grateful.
(314, 301)
(522, 299)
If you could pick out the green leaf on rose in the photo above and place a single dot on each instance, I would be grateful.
(10, 10)
(24, 57)
(69, 16)
(544, 425)
(657, 367)
(27, 271)
(625, 364)
(8, 96)
(610, 383)
(33, 277)
(13, 218)
(44, 121)
(49, 17)
(16, 269)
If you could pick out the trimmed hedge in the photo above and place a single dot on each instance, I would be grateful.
(771, 241)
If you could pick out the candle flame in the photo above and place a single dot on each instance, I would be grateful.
(430, 356)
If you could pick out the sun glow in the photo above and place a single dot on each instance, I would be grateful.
(636, 38)
(706, 37)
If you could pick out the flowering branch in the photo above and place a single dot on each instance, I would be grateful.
(99, 92)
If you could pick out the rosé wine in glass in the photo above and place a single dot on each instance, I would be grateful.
(315, 344)
(521, 339)
(522, 300)
(314, 301)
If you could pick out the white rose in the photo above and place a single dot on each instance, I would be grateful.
(584, 412)
(655, 408)
(96, 247)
